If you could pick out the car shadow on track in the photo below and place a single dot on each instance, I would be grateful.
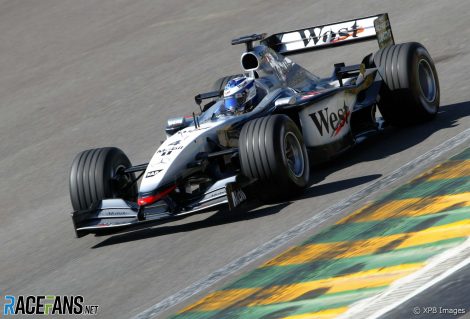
(250, 210)
(337, 186)
(220, 217)
(391, 141)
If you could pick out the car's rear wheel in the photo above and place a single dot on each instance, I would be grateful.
(272, 151)
(97, 174)
(411, 93)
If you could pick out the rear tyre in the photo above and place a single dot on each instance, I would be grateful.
(94, 176)
(411, 92)
(272, 151)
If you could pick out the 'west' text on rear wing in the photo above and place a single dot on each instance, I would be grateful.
(325, 36)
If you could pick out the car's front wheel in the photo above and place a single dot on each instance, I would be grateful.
(97, 174)
(272, 151)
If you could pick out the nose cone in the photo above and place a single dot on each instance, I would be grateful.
(169, 163)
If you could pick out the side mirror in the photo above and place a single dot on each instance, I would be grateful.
(175, 124)
(290, 100)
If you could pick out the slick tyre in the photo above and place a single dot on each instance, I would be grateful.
(93, 177)
(272, 151)
(411, 92)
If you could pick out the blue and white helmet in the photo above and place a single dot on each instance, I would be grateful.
(239, 93)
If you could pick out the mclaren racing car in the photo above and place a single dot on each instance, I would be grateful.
(224, 154)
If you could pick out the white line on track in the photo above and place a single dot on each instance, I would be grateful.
(301, 228)
(437, 269)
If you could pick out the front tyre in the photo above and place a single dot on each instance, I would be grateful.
(272, 151)
(97, 174)
(411, 93)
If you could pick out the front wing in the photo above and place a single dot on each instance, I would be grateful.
(115, 214)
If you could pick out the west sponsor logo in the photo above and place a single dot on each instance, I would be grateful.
(327, 34)
(331, 122)
(314, 36)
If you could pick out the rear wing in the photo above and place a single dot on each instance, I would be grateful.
(329, 35)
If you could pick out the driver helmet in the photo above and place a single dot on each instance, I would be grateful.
(239, 94)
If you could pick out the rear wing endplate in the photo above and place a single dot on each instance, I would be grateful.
(329, 35)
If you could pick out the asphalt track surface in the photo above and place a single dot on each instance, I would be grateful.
(83, 74)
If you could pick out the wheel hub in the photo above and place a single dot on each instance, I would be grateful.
(427, 82)
(293, 154)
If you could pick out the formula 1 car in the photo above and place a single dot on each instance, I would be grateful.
(214, 158)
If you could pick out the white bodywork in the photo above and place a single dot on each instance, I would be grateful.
(163, 168)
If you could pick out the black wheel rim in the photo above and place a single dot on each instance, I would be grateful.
(427, 81)
(293, 154)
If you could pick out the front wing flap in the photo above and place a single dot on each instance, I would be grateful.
(116, 214)
(110, 213)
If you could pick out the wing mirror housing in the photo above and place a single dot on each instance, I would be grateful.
(283, 101)
(175, 124)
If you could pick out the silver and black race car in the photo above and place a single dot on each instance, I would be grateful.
(215, 157)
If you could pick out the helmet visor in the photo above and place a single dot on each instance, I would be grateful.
(235, 101)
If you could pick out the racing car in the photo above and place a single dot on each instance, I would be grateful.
(230, 150)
